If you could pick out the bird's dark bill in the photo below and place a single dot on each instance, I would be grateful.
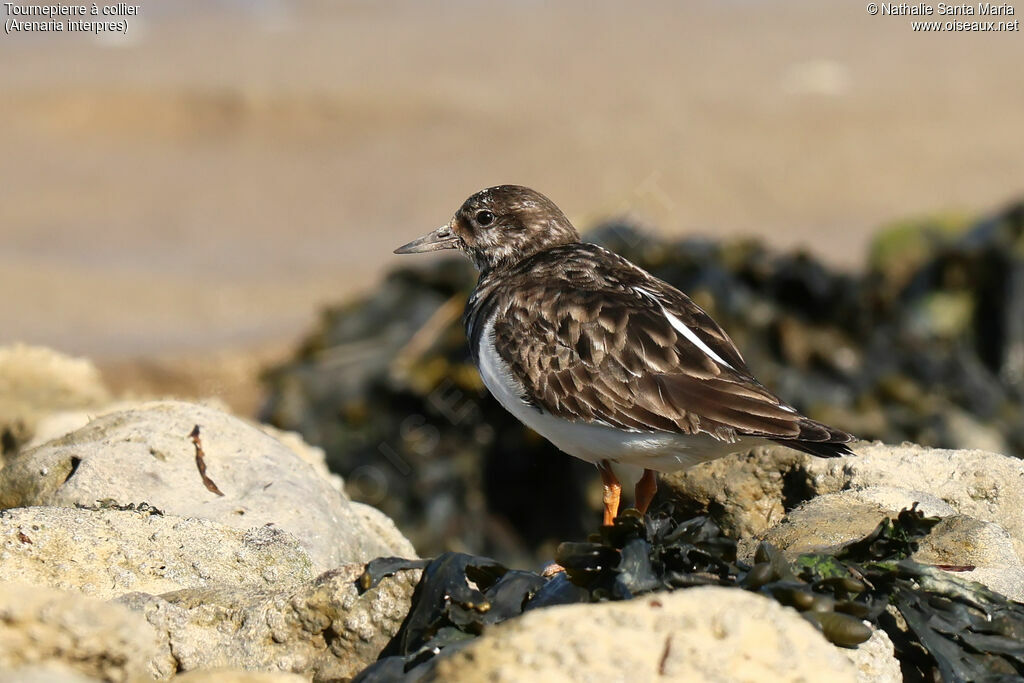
(442, 238)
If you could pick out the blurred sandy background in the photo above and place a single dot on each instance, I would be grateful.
(178, 204)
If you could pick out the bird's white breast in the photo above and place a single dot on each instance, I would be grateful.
(661, 451)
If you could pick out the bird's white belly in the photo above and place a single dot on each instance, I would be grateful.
(661, 451)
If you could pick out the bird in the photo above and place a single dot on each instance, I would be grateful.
(606, 361)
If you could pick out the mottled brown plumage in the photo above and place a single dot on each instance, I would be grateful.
(588, 345)
(580, 334)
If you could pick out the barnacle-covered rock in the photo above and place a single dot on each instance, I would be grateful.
(73, 635)
(327, 628)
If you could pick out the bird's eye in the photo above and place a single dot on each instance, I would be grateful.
(484, 217)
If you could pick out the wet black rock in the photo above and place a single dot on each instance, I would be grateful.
(927, 345)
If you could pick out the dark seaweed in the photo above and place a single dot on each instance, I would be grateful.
(956, 630)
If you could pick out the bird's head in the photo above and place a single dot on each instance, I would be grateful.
(500, 226)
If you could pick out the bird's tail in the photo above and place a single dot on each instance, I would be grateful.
(820, 440)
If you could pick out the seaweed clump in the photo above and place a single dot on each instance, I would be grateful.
(941, 626)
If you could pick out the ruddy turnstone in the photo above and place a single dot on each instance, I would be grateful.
(606, 361)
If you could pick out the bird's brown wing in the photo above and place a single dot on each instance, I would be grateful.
(640, 357)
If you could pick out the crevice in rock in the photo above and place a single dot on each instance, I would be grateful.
(796, 488)
(715, 510)
(75, 462)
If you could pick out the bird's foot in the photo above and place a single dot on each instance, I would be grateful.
(612, 492)
(645, 490)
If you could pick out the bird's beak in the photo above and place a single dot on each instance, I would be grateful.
(442, 238)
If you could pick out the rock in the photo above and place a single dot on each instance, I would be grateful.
(707, 633)
(221, 584)
(61, 422)
(325, 628)
(963, 540)
(821, 525)
(57, 424)
(826, 523)
(107, 553)
(384, 529)
(875, 659)
(237, 676)
(49, 673)
(45, 629)
(833, 502)
(35, 381)
(986, 486)
(749, 493)
(312, 455)
(746, 493)
(894, 498)
(144, 455)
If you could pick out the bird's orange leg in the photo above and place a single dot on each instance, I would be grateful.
(645, 490)
(612, 491)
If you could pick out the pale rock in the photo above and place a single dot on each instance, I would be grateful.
(45, 673)
(827, 522)
(748, 493)
(45, 629)
(963, 540)
(239, 676)
(144, 455)
(58, 423)
(699, 634)
(326, 628)
(107, 553)
(312, 455)
(875, 659)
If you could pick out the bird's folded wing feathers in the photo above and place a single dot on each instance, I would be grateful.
(642, 358)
